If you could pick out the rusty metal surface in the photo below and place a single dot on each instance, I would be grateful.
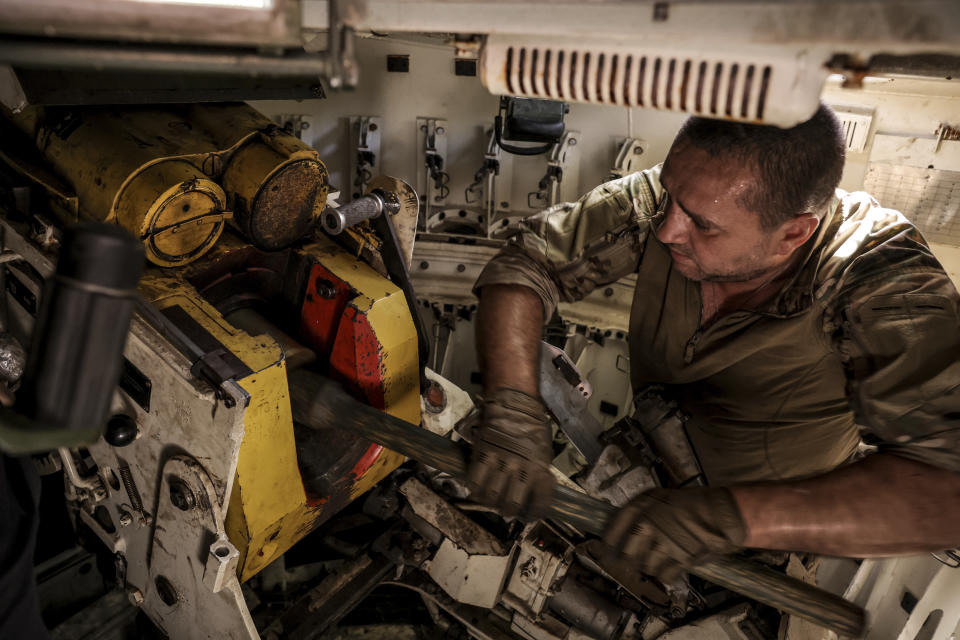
(466, 533)
(404, 220)
(286, 205)
(316, 400)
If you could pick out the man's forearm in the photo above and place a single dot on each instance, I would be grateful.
(509, 325)
(883, 505)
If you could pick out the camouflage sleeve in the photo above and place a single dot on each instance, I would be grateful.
(567, 251)
(900, 338)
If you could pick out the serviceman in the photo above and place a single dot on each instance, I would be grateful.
(788, 319)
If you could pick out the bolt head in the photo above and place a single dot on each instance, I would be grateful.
(136, 597)
(182, 497)
(125, 519)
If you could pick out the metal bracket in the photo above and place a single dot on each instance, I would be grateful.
(364, 161)
(492, 180)
(432, 178)
(293, 123)
(628, 157)
(565, 392)
(561, 182)
(193, 565)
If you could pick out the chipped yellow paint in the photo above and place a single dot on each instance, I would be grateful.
(386, 309)
(268, 511)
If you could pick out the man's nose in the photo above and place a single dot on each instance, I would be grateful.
(674, 228)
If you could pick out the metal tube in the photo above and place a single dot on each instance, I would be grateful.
(67, 55)
(320, 402)
(72, 472)
(364, 208)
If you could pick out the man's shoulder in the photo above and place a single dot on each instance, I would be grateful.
(868, 243)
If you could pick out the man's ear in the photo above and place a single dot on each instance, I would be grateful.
(794, 232)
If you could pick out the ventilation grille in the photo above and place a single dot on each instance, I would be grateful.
(708, 87)
(856, 125)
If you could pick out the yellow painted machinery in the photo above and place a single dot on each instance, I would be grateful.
(174, 176)
(203, 479)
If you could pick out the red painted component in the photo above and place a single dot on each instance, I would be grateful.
(341, 333)
(319, 315)
(364, 463)
(357, 356)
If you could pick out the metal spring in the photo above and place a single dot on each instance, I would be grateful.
(126, 476)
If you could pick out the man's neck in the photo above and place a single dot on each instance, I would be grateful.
(727, 289)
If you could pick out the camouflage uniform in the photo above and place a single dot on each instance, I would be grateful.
(863, 339)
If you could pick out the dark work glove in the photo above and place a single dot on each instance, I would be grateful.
(512, 450)
(666, 531)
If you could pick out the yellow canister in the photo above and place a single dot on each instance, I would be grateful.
(276, 184)
(275, 197)
(176, 212)
(126, 167)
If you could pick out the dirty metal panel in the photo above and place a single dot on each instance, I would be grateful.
(466, 533)
(474, 579)
(930, 198)
(57, 87)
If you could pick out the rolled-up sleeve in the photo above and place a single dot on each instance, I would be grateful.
(901, 337)
(565, 252)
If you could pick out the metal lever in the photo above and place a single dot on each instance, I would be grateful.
(318, 402)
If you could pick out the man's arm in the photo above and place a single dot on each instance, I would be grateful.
(896, 327)
(883, 505)
(563, 253)
(509, 323)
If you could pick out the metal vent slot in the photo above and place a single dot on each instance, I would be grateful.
(849, 131)
(731, 89)
(612, 79)
(748, 82)
(522, 74)
(685, 85)
(640, 81)
(573, 77)
(655, 84)
(585, 80)
(601, 60)
(559, 75)
(627, 68)
(535, 78)
(701, 80)
(547, 74)
(764, 86)
(715, 88)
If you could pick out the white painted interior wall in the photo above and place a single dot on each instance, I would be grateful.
(431, 89)
(903, 107)
(912, 108)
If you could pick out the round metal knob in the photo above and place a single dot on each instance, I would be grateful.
(121, 430)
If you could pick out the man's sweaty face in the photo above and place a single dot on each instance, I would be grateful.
(710, 235)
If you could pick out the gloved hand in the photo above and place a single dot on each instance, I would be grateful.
(512, 450)
(666, 531)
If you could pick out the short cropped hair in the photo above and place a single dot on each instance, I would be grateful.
(799, 168)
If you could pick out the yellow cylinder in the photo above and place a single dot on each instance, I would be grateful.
(173, 209)
(276, 184)
(119, 163)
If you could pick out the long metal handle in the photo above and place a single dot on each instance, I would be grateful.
(320, 402)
